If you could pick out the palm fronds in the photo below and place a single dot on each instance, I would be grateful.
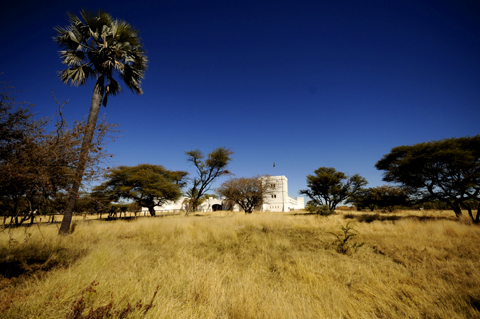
(95, 45)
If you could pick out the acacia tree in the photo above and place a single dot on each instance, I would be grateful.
(17, 128)
(16, 123)
(148, 185)
(208, 170)
(135, 208)
(447, 170)
(385, 197)
(248, 192)
(98, 203)
(96, 47)
(43, 166)
(330, 187)
(363, 199)
(37, 166)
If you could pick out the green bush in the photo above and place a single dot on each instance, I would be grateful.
(344, 242)
(322, 210)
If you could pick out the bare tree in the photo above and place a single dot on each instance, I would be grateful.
(208, 171)
(37, 167)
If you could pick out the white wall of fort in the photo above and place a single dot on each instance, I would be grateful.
(277, 201)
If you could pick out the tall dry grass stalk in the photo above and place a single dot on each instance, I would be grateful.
(267, 265)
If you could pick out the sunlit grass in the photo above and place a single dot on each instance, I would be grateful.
(264, 265)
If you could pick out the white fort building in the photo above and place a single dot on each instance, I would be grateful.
(276, 201)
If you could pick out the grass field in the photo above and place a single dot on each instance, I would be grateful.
(231, 265)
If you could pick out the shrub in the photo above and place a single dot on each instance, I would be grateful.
(343, 242)
(322, 210)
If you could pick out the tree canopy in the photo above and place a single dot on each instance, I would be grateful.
(248, 192)
(384, 197)
(95, 45)
(447, 170)
(148, 185)
(330, 187)
(37, 166)
(208, 170)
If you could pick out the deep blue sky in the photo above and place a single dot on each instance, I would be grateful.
(303, 84)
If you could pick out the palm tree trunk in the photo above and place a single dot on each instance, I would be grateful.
(97, 96)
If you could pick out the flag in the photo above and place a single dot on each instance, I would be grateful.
(273, 164)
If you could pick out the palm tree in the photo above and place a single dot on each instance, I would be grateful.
(95, 48)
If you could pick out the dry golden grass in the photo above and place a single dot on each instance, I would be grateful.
(264, 265)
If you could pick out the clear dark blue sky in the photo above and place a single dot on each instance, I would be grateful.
(303, 84)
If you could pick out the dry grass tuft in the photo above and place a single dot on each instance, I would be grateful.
(264, 265)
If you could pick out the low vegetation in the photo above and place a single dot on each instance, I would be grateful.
(232, 265)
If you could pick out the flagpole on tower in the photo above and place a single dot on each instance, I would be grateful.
(274, 171)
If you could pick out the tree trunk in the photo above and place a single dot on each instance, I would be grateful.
(456, 209)
(469, 209)
(97, 96)
(188, 208)
(151, 210)
(477, 218)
